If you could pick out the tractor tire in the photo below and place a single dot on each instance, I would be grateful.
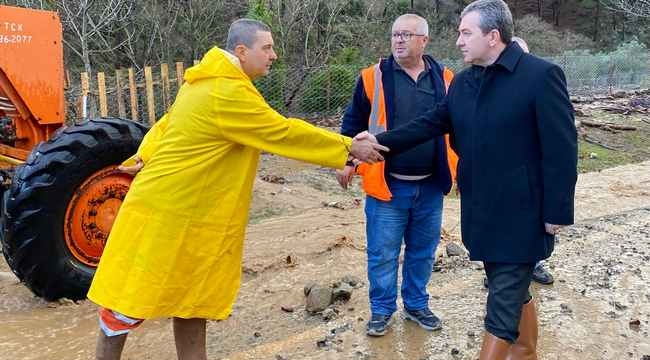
(62, 203)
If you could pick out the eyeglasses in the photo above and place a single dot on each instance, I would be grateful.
(404, 35)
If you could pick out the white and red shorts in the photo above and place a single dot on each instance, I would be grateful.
(113, 323)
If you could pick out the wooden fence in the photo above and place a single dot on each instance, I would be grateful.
(126, 90)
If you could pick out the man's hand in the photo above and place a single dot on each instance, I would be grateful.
(365, 148)
(365, 135)
(344, 177)
(132, 169)
(552, 228)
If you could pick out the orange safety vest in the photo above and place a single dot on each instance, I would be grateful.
(374, 182)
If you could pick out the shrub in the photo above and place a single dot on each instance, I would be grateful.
(626, 66)
(272, 86)
(544, 39)
(330, 89)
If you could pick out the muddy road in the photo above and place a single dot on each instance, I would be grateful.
(303, 229)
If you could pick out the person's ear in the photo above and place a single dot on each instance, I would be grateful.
(241, 52)
(495, 37)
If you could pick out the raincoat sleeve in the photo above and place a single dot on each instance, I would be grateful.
(149, 143)
(244, 117)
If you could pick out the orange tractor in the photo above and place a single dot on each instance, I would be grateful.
(59, 203)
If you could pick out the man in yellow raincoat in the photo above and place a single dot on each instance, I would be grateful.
(175, 249)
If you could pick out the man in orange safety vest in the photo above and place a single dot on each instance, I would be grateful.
(404, 195)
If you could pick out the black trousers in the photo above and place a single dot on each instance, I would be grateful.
(507, 293)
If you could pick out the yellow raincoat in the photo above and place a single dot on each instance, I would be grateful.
(175, 248)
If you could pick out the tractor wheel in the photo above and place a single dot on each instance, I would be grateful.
(62, 203)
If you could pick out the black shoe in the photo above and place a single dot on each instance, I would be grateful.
(378, 325)
(425, 318)
(542, 276)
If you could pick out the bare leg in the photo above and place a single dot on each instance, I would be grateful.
(109, 347)
(189, 335)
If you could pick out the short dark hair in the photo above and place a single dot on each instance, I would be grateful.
(495, 15)
(243, 32)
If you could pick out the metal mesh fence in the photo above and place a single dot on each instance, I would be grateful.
(595, 74)
(324, 92)
(590, 74)
(310, 92)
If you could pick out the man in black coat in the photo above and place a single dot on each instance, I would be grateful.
(511, 123)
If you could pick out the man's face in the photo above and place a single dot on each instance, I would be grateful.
(473, 44)
(257, 60)
(406, 42)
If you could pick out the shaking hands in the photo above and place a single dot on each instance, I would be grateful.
(365, 148)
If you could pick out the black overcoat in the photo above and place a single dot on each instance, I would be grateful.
(511, 123)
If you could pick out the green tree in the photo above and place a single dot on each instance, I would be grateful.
(259, 10)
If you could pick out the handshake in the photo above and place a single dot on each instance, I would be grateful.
(365, 148)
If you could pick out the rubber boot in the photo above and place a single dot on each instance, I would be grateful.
(493, 348)
(525, 348)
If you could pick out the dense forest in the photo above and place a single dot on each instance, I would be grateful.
(107, 34)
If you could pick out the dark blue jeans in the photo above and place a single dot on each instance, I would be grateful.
(415, 215)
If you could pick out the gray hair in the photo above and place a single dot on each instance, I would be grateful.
(495, 15)
(422, 27)
(244, 32)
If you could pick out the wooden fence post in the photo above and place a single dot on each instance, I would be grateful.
(151, 103)
(164, 79)
(85, 90)
(119, 88)
(101, 90)
(133, 92)
(179, 75)
(66, 79)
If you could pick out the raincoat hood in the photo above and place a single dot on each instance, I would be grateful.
(216, 63)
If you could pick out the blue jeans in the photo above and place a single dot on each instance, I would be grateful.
(414, 214)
